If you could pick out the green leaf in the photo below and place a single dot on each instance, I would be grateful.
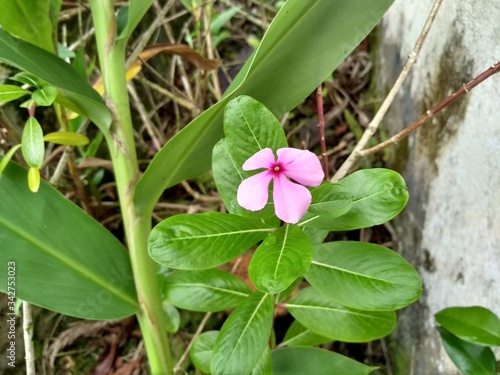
(45, 96)
(474, 324)
(338, 322)
(8, 156)
(57, 73)
(67, 138)
(301, 361)
(250, 127)
(34, 179)
(32, 143)
(54, 11)
(201, 351)
(282, 257)
(318, 33)
(11, 92)
(363, 276)
(298, 335)
(228, 176)
(133, 13)
(172, 317)
(65, 261)
(330, 200)
(244, 336)
(471, 359)
(26, 78)
(378, 195)
(206, 290)
(28, 20)
(201, 241)
(265, 364)
(221, 19)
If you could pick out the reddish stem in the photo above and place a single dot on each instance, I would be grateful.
(430, 113)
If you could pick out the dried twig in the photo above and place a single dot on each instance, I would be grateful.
(372, 127)
(431, 112)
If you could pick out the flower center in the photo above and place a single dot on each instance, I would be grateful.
(276, 168)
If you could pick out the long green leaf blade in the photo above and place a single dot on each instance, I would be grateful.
(29, 20)
(57, 73)
(65, 261)
(306, 41)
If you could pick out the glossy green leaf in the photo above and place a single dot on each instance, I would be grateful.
(205, 290)
(330, 200)
(202, 241)
(29, 20)
(265, 364)
(45, 96)
(474, 324)
(244, 336)
(378, 195)
(201, 351)
(301, 361)
(57, 73)
(27, 78)
(304, 34)
(471, 359)
(250, 127)
(281, 258)
(7, 157)
(338, 322)
(11, 92)
(228, 176)
(32, 143)
(67, 138)
(65, 260)
(363, 276)
(298, 335)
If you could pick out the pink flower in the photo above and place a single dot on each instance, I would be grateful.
(291, 200)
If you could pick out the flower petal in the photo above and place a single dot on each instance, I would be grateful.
(301, 165)
(253, 192)
(261, 159)
(291, 200)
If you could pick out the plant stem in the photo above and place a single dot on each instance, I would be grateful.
(28, 338)
(137, 224)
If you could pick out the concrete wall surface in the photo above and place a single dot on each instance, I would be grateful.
(450, 229)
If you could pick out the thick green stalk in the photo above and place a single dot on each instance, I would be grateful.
(137, 224)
